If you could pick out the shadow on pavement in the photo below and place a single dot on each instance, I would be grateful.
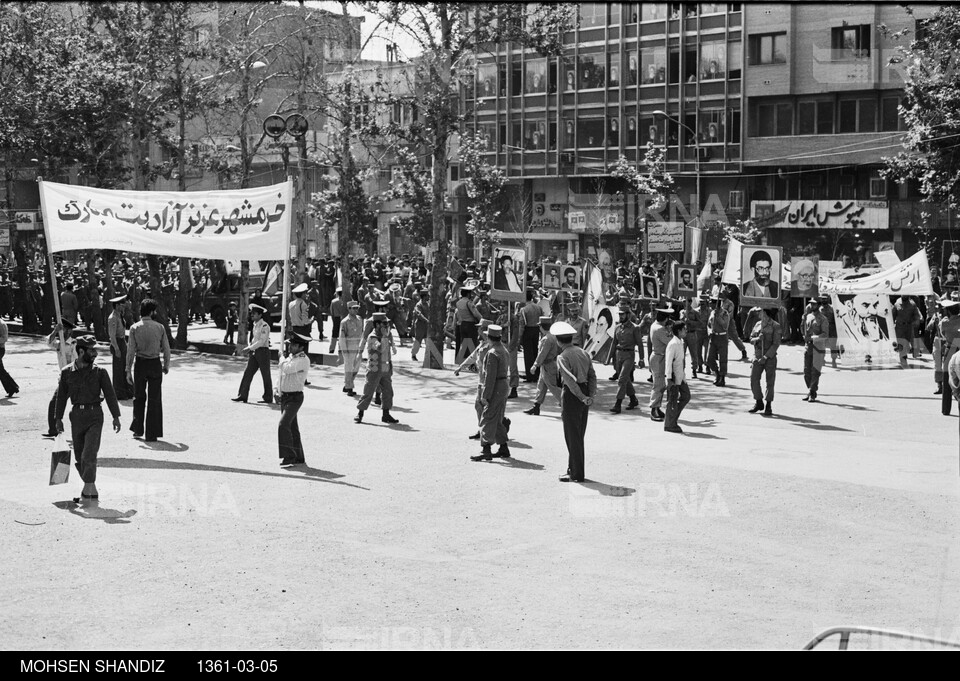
(312, 473)
(608, 490)
(111, 516)
(703, 436)
(161, 446)
(809, 423)
(513, 462)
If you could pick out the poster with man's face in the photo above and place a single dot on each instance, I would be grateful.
(550, 277)
(649, 288)
(804, 276)
(950, 268)
(570, 278)
(508, 274)
(760, 276)
(686, 281)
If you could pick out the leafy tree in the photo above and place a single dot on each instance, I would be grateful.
(484, 185)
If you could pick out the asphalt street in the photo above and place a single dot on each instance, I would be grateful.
(744, 532)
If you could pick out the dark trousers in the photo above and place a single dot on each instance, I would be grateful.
(756, 371)
(335, 334)
(625, 363)
(492, 427)
(120, 385)
(692, 343)
(678, 396)
(574, 414)
(9, 385)
(717, 355)
(947, 397)
(377, 382)
(812, 366)
(147, 397)
(468, 331)
(86, 425)
(288, 432)
(529, 341)
(259, 359)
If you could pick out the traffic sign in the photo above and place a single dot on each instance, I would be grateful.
(274, 125)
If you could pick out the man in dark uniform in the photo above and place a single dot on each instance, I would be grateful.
(85, 384)
(546, 366)
(626, 340)
(379, 369)
(765, 336)
(816, 330)
(531, 335)
(467, 318)
(493, 397)
(579, 386)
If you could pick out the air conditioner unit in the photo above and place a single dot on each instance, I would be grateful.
(878, 188)
(735, 201)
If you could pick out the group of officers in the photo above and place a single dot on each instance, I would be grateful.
(556, 360)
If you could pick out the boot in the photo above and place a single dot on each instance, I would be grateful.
(386, 418)
(377, 399)
(768, 411)
(503, 452)
(506, 424)
(475, 436)
(484, 455)
(723, 382)
(513, 394)
(656, 414)
(757, 407)
(534, 410)
(939, 390)
(616, 407)
(634, 403)
(359, 417)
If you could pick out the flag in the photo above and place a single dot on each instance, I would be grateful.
(271, 283)
(593, 298)
(704, 278)
(731, 266)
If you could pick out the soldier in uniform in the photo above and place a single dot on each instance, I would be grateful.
(949, 333)
(258, 357)
(579, 324)
(718, 324)
(294, 367)
(660, 336)
(466, 318)
(298, 311)
(546, 363)
(86, 385)
(117, 335)
(816, 331)
(478, 355)
(351, 331)
(626, 340)
(575, 370)
(696, 330)
(379, 369)
(493, 397)
(765, 335)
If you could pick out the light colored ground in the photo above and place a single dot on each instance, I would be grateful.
(746, 532)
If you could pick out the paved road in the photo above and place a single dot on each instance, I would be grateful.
(745, 532)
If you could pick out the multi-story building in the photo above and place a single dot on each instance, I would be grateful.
(758, 106)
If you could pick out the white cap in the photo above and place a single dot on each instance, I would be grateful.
(562, 329)
(300, 288)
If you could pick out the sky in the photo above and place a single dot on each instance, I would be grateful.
(376, 47)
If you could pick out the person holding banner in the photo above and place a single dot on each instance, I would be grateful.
(766, 337)
(148, 342)
(258, 357)
(718, 326)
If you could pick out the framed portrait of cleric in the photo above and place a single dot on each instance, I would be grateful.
(686, 281)
(760, 276)
(508, 274)
(550, 277)
(649, 288)
(950, 264)
(570, 278)
(804, 276)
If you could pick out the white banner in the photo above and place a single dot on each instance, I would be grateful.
(910, 278)
(665, 237)
(731, 266)
(824, 214)
(865, 334)
(242, 224)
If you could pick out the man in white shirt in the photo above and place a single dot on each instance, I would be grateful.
(678, 392)
(294, 367)
(258, 357)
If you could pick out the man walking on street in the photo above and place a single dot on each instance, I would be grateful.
(718, 324)
(765, 336)
(816, 329)
(579, 386)
(660, 336)
(145, 371)
(626, 340)
(531, 322)
(117, 334)
(85, 384)
(338, 310)
(678, 392)
(545, 366)
(351, 330)
(294, 367)
(258, 357)
(379, 369)
(493, 397)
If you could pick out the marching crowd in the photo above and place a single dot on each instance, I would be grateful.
(676, 340)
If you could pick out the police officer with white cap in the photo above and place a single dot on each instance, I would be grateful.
(299, 312)
(117, 334)
(258, 357)
(579, 382)
(294, 367)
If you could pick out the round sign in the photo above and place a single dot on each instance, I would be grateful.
(274, 125)
(297, 125)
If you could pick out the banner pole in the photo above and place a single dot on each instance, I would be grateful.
(53, 273)
(285, 274)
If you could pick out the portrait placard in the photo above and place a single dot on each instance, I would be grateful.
(804, 276)
(760, 276)
(508, 274)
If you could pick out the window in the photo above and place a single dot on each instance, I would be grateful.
(632, 66)
(784, 119)
(552, 72)
(631, 131)
(516, 79)
(534, 135)
(516, 137)
(590, 132)
(734, 6)
(502, 79)
(613, 70)
(766, 120)
(690, 10)
(487, 80)
(733, 128)
(858, 115)
(713, 60)
(653, 64)
(773, 120)
(712, 8)
(690, 66)
(487, 135)
(815, 118)
(535, 77)
(569, 134)
(889, 115)
(591, 71)
(824, 118)
(656, 11)
(553, 135)
(614, 13)
(613, 132)
(570, 81)
(593, 14)
(674, 10)
(878, 188)
(768, 49)
(651, 130)
(851, 42)
(454, 172)
(673, 70)
(711, 126)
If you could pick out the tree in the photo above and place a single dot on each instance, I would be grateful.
(649, 180)
(484, 185)
(448, 36)
(931, 100)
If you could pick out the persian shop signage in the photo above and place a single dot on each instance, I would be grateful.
(829, 214)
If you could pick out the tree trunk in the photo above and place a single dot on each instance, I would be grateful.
(156, 292)
(438, 303)
(183, 305)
